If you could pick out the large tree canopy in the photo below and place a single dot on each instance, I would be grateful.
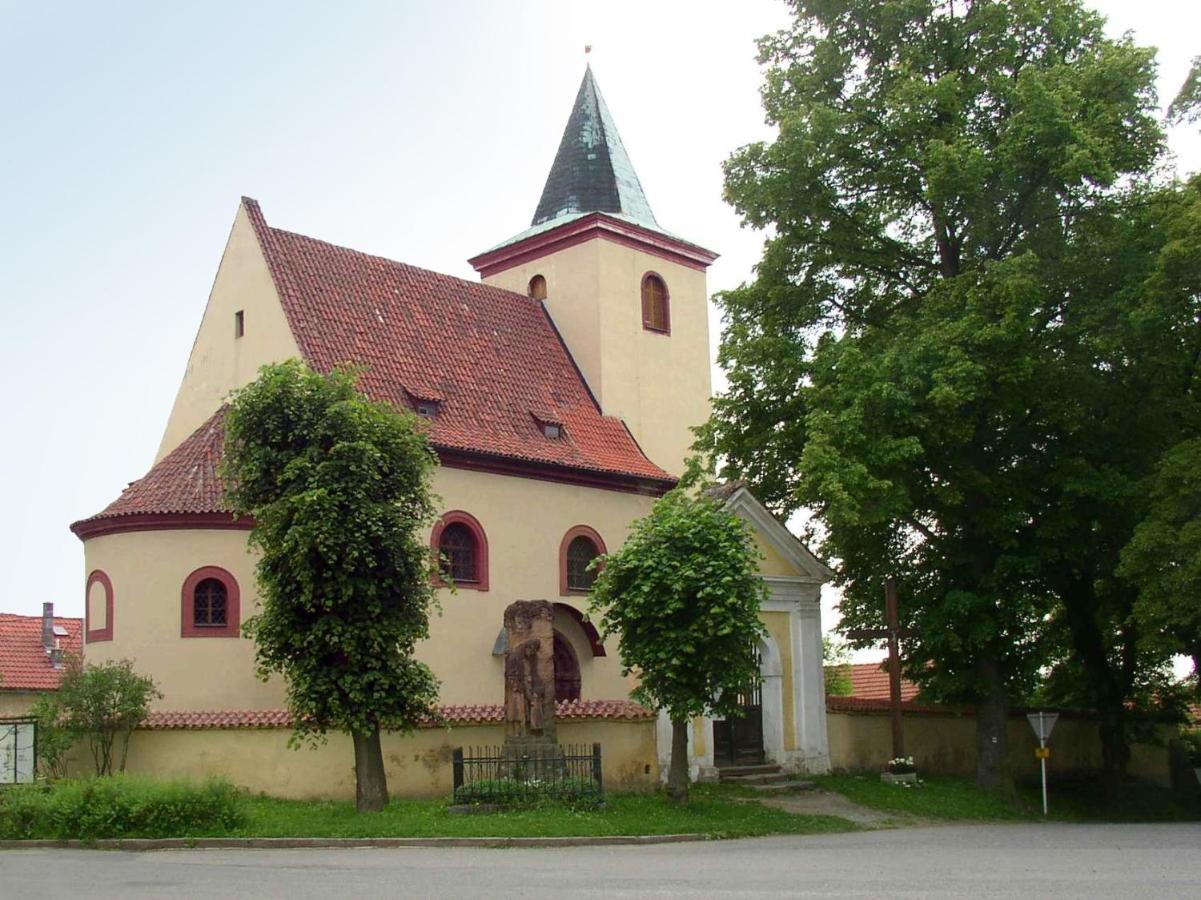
(339, 487)
(897, 365)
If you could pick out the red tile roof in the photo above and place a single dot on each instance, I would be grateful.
(454, 715)
(491, 357)
(183, 481)
(24, 665)
(869, 681)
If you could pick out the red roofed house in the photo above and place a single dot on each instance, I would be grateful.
(32, 652)
(869, 681)
(560, 391)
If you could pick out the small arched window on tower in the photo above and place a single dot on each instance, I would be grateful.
(656, 309)
(538, 287)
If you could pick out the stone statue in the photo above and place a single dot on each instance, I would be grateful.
(529, 672)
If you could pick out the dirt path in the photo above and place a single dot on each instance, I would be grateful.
(816, 802)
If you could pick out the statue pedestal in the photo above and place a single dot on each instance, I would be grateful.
(533, 758)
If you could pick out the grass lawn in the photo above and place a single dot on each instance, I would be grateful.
(959, 798)
(714, 812)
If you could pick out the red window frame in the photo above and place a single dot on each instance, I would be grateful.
(92, 635)
(566, 590)
(233, 605)
(458, 516)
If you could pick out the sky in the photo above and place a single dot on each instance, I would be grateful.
(422, 132)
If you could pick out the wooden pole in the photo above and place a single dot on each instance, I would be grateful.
(894, 666)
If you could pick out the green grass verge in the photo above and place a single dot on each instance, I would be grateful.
(713, 812)
(960, 799)
(136, 807)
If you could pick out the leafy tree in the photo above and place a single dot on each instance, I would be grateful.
(339, 487)
(1164, 556)
(1186, 107)
(1127, 351)
(101, 702)
(836, 666)
(54, 741)
(896, 364)
(683, 595)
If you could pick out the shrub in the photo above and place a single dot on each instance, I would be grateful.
(102, 702)
(119, 806)
(54, 741)
(1192, 747)
(514, 792)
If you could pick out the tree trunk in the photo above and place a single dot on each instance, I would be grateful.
(677, 774)
(1103, 680)
(371, 783)
(992, 713)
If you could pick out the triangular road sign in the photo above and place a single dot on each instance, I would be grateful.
(1042, 723)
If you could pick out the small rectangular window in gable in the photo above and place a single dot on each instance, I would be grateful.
(239, 323)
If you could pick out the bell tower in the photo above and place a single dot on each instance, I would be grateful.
(628, 298)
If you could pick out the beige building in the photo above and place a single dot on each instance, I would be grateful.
(560, 393)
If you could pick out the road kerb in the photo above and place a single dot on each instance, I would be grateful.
(295, 843)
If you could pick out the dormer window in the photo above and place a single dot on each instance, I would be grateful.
(427, 409)
(537, 289)
(549, 427)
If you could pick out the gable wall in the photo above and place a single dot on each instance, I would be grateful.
(219, 361)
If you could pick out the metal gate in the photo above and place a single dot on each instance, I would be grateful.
(17, 747)
(738, 740)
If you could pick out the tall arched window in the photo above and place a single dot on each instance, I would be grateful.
(656, 307)
(210, 605)
(579, 547)
(459, 541)
(538, 287)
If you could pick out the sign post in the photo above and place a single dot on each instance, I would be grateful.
(1042, 723)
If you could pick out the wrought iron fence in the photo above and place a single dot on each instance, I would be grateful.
(515, 776)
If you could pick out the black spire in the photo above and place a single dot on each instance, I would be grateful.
(591, 172)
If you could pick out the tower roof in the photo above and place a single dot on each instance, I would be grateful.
(591, 171)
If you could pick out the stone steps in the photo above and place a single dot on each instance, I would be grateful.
(751, 776)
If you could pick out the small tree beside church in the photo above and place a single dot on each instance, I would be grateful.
(339, 487)
(683, 597)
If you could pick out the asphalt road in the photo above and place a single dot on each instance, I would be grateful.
(1095, 861)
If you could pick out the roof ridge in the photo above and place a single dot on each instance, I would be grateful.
(474, 285)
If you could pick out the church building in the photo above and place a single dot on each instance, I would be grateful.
(560, 391)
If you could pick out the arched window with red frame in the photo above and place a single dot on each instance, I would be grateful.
(656, 304)
(579, 547)
(459, 542)
(210, 604)
(98, 608)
